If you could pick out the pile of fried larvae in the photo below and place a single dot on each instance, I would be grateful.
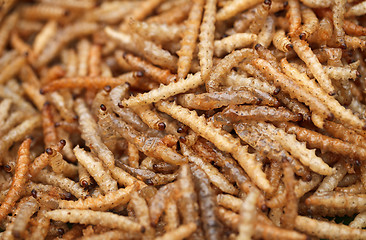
(182, 119)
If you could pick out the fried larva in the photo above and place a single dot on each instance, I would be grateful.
(159, 33)
(83, 47)
(43, 11)
(359, 221)
(133, 156)
(19, 132)
(89, 129)
(248, 216)
(290, 87)
(67, 184)
(338, 200)
(4, 109)
(251, 134)
(149, 49)
(324, 229)
(40, 230)
(171, 216)
(96, 170)
(325, 143)
(294, 15)
(105, 219)
(306, 156)
(338, 110)
(329, 183)
(43, 159)
(233, 8)
(190, 35)
(224, 66)
(222, 140)
(123, 178)
(267, 32)
(356, 10)
(261, 230)
(213, 174)
(26, 208)
(180, 233)
(212, 228)
(174, 15)
(235, 41)
(339, 9)
(259, 113)
(153, 147)
(7, 25)
(311, 23)
(305, 53)
(160, 199)
(141, 211)
(83, 82)
(188, 202)
(63, 37)
(290, 209)
(157, 74)
(178, 110)
(148, 176)
(103, 202)
(32, 84)
(12, 69)
(83, 4)
(165, 91)
(206, 37)
(207, 101)
(281, 42)
(59, 165)
(19, 180)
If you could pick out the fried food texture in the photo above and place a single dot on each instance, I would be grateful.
(182, 119)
